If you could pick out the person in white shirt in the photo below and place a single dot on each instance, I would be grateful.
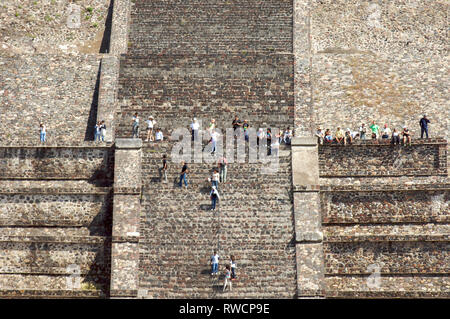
(214, 137)
(259, 136)
(150, 124)
(287, 136)
(362, 131)
(395, 139)
(233, 267)
(386, 132)
(320, 136)
(215, 263)
(98, 130)
(215, 179)
(194, 129)
(159, 135)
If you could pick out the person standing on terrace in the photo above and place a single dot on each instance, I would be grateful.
(424, 126)
(42, 132)
(97, 131)
(102, 130)
(320, 136)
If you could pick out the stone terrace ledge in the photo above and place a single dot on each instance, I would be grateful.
(425, 157)
(308, 226)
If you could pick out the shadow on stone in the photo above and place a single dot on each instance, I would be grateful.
(106, 40)
(92, 120)
(101, 225)
(99, 274)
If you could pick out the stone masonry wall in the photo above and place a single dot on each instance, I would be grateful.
(56, 163)
(57, 90)
(369, 159)
(389, 206)
(380, 60)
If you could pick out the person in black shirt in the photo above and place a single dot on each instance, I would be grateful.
(163, 170)
(269, 141)
(183, 174)
(424, 126)
(236, 123)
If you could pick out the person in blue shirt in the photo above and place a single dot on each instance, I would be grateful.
(424, 126)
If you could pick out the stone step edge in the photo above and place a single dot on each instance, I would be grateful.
(387, 238)
(386, 294)
(54, 191)
(56, 293)
(385, 188)
(57, 239)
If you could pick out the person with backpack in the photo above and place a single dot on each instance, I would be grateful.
(214, 197)
(215, 263)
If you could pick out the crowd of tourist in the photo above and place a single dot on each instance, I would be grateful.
(377, 134)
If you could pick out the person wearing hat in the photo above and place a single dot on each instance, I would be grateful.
(424, 125)
(150, 124)
(214, 197)
(194, 129)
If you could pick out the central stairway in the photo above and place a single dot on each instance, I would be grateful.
(212, 59)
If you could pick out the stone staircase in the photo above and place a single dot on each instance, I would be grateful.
(211, 59)
(209, 26)
(179, 231)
